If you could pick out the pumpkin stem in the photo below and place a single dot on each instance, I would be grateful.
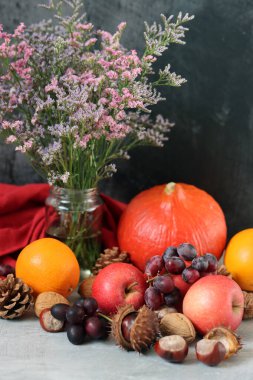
(169, 188)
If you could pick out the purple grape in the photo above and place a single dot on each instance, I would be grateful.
(94, 327)
(75, 315)
(200, 263)
(169, 252)
(212, 262)
(59, 311)
(79, 302)
(186, 251)
(6, 269)
(76, 334)
(154, 266)
(163, 283)
(90, 306)
(175, 265)
(190, 275)
(172, 298)
(153, 298)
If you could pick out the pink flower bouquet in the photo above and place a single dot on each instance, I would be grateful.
(74, 99)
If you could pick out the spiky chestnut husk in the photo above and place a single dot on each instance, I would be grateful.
(144, 330)
(229, 338)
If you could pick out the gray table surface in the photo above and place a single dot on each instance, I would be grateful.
(28, 352)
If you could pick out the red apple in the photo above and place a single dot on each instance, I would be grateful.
(214, 301)
(119, 284)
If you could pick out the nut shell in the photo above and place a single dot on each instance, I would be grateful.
(228, 337)
(178, 324)
(46, 300)
(85, 288)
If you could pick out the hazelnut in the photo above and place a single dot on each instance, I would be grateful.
(85, 288)
(47, 300)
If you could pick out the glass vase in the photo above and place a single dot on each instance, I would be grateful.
(75, 218)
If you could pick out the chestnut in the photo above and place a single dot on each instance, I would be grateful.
(210, 352)
(172, 348)
(49, 323)
(127, 324)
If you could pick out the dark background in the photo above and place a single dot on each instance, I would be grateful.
(211, 145)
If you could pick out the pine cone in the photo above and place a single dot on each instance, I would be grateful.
(109, 256)
(223, 271)
(15, 297)
(248, 305)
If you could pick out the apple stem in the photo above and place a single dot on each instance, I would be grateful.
(131, 286)
(104, 316)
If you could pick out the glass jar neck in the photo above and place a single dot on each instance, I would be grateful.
(72, 194)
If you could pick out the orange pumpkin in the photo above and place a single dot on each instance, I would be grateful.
(168, 215)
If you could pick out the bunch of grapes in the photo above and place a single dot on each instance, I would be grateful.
(181, 260)
(81, 320)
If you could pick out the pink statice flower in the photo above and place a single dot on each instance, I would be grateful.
(64, 177)
(27, 145)
(105, 36)
(6, 124)
(90, 42)
(19, 30)
(52, 86)
(112, 74)
(122, 26)
(84, 141)
(126, 75)
(11, 139)
(87, 26)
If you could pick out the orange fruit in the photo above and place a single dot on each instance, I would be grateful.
(239, 258)
(48, 265)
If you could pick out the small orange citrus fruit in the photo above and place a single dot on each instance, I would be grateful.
(239, 258)
(48, 265)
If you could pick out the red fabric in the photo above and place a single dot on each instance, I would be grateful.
(22, 218)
